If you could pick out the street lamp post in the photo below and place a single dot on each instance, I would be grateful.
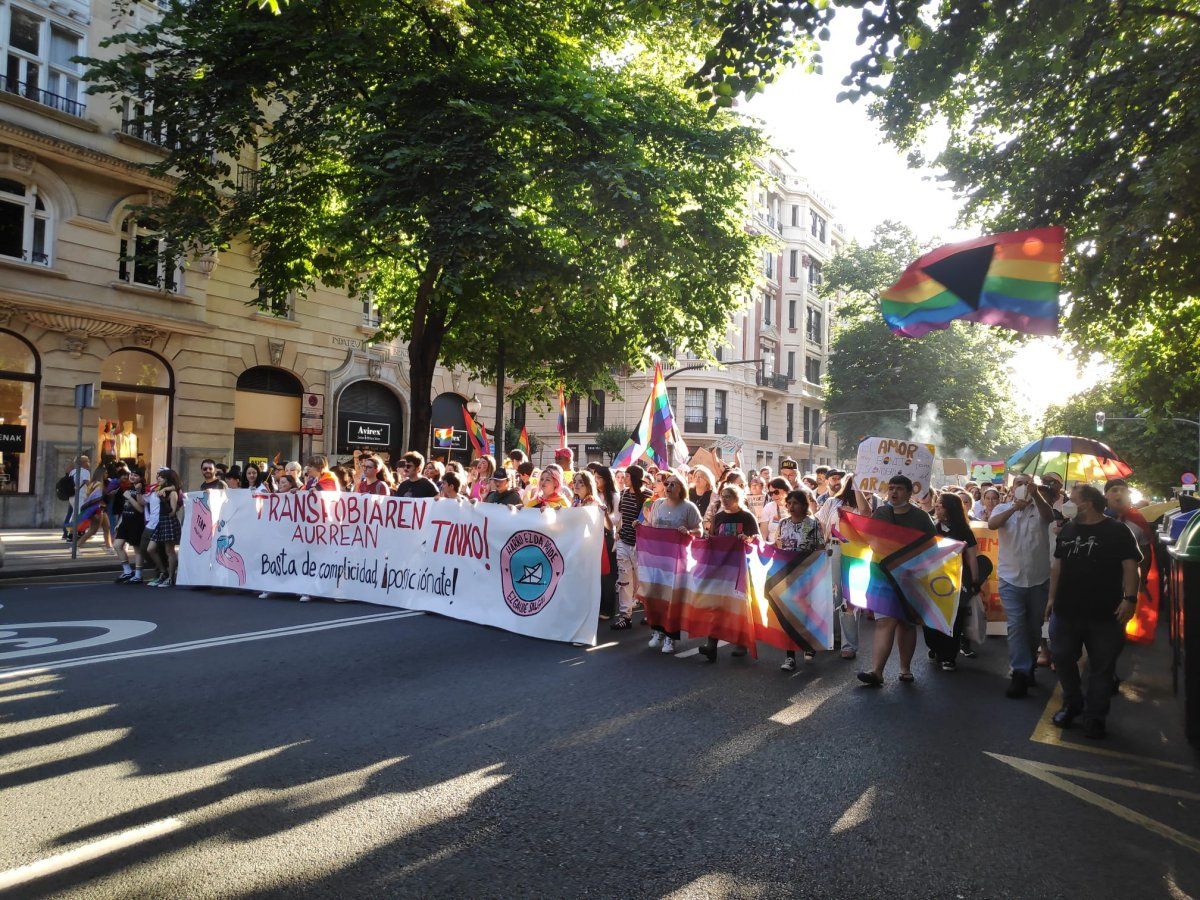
(821, 423)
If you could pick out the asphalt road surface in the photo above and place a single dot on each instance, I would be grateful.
(209, 744)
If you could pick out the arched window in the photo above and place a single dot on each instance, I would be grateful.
(266, 416)
(24, 223)
(148, 258)
(137, 392)
(369, 416)
(20, 376)
(449, 428)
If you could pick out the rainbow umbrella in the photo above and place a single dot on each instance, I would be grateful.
(1072, 458)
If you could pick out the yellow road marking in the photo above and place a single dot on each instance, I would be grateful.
(1046, 732)
(1042, 773)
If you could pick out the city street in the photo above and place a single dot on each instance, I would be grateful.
(183, 743)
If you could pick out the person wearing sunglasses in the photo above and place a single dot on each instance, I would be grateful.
(775, 508)
(673, 510)
(414, 484)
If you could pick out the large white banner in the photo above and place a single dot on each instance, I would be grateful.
(533, 572)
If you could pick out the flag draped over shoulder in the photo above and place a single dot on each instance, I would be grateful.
(1010, 279)
(793, 598)
(742, 593)
(655, 436)
(900, 572)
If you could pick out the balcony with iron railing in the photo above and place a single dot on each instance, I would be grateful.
(150, 132)
(45, 98)
(773, 382)
(695, 426)
(720, 426)
(595, 423)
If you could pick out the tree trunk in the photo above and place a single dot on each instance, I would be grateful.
(499, 432)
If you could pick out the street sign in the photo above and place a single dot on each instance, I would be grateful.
(1189, 478)
(85, 396)
(314, 405)
(12, 438)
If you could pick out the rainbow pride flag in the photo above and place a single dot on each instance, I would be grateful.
(443, 437)
(793, 598)
(523, 442)
(1010, 280)
(477, 433)
(655, 433)
(900, 572)
(562, 418)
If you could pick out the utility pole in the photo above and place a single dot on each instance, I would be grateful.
(85, 398)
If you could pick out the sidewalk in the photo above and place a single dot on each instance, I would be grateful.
(42, 551)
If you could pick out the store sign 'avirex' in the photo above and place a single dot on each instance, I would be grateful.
(371, 434)
(12, 438)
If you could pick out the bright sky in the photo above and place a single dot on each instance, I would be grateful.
(840, 149)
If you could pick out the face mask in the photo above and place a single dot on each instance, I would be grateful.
(1069, 510)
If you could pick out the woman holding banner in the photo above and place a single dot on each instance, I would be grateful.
(674, 510)
(951, 517)
(800, 533)
(734, 520)
(827, 517)
(550, 493)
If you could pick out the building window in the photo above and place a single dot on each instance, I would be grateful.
(762, 419)
(148, 258)
(20, 374)
(37, 61)
(572, 415)
(695, 405)
(791, 365)
(817, 227)
(721, 405)
(795, 216)
(673, 398)
(793, 263)
(24, 223)
(517, 415)
(595, 411)
(370, 310)
(791, 422)
(812, 370)
(134, 414)
(814, 274)
(804, 416)
(370, 417)
(792, 314)
(767, 303)
(815, 325)
(266, 416)
(769, 264)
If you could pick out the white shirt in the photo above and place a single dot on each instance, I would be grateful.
(1024, 558)
(153, 506)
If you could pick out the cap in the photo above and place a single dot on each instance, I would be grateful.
(500, 475)
(564, 453)
(788, 463)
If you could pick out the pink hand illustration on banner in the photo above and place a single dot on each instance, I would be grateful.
(230, 558)
(202, 525)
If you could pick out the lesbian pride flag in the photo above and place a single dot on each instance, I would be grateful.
(900, 572)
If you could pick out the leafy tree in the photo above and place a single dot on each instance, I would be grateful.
(527, 177)
(511, 438)
(611, 439)
(1158, 449)
(962, 371)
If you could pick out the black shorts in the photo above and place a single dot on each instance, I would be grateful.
(130, 528)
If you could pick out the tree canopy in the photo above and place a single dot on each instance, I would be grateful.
(962, 371)
(527, 174)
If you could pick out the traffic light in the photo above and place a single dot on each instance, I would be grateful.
(1100, 421)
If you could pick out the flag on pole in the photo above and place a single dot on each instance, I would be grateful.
(443, 437)
(655, 438)
(1010, 279)
(562, 418)
(476, 432)
(523, 442)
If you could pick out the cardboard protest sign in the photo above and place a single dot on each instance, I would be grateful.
(880, 458)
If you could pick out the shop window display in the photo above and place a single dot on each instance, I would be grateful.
(266, 416)
(19, 376)
(134, 412)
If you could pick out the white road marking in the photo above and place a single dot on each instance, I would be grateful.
(114, 630)
(219, 641)
(684, 654)
(601, 646)
(88, 852)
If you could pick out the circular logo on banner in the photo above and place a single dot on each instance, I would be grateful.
(942, 585)
(530, 566)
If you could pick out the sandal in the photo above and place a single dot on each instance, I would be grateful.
(908, 677)
(620, 623)
(870, 679)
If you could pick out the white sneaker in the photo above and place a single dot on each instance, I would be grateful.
(655, 639)
(304, 598)
(789, 664)
(265, 595)
(668, 646)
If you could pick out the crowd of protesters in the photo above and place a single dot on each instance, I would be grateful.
(1074, 560)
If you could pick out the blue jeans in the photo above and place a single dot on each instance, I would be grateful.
(1025, 610)
(1104, 640)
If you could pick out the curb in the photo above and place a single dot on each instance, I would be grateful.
(22, 574)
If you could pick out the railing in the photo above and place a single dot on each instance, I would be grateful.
(775, 382)
(37, 95)
(247, 179)
(573, 425)
(697, 426)
(595, 423)
(720, 426)
(149, 131)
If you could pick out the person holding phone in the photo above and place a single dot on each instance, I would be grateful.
(1024, 573)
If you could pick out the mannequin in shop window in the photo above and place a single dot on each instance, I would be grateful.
(127, 442)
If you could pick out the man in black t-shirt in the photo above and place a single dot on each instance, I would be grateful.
(501, 492)
(212, 481)
(415, 483)
(1093, 593)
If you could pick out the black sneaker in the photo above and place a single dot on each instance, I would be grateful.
(968, 652)
(1018, 687)
(1065, 716)
(1094, 729)
(124, 579)
(739, 650)
(709, 653)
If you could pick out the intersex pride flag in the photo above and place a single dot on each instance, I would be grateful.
(900, 572)
(741, 593)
